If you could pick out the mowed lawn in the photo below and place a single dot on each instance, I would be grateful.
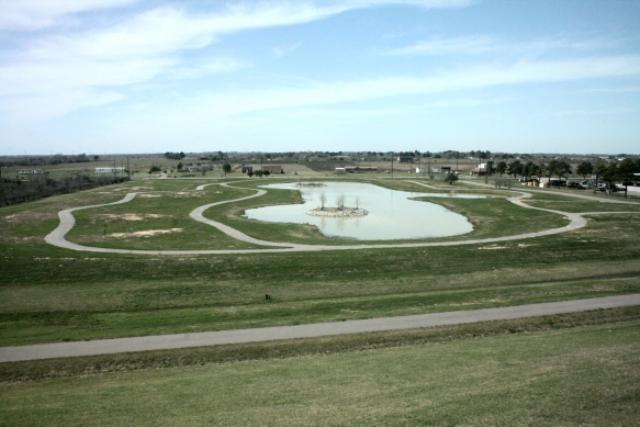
(587, 375)
(51, 294)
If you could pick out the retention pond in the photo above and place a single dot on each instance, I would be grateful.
(390, 214)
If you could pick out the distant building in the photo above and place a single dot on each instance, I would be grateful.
(110, 170)
(481, 169)
(530, 182)
(29, 172)
(546, 182)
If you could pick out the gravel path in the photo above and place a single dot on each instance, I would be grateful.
(58, 236)
(200, 339)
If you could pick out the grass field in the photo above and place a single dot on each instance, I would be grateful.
(576, 376)
(491, 217)
(559, 370)
(50, 294)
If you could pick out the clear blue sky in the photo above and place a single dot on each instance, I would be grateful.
(101, 76)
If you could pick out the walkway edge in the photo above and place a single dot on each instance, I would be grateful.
(200, 339)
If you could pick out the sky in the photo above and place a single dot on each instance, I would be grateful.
(135, 76)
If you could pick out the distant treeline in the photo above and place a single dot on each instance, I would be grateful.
(14, 191)
(46, 160)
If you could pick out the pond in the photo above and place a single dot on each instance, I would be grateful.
(390, 214)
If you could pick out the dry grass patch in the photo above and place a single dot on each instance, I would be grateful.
(132, 216)
(145, 233)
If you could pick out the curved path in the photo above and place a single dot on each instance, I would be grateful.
(200, 339)
(58, 236)
(556, 193)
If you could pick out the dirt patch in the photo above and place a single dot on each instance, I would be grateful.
(149, 196)
(492, 247)
(181, 194)
(27, 216)
(525, 245)
(131, 216)
(145, 233)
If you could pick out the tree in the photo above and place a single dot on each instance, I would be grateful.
(610, 176)
(600, 169)
(564, 168)
(501, 168)
(451, 178)
(552, 168)
(226, 168)
(584, 168)
(179, 166)
(626, 169)
(490, 169)
(515, 168)
(323, 201)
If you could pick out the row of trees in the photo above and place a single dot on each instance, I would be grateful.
(14, 191)
(603, 171)
(174, 156)
(47, 160)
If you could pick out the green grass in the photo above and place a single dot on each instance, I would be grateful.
(65, 367)
(106, 226)
(577, 376)
(551, 201)
(498, 217)
(491, 217)
(52, 294)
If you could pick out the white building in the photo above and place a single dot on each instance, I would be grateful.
(112, 170)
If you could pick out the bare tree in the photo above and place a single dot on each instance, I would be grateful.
(323, 201)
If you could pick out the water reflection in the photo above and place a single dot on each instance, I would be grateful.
(391, 213)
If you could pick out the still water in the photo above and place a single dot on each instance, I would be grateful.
(392, 214)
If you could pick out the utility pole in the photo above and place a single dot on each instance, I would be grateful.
(128, 169)
(392, 156)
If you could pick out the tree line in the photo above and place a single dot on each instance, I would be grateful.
(603, 172)
(14, 191)
(47, 160)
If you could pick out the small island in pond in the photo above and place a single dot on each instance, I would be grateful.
(341, 210)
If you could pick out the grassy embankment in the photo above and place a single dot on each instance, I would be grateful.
(582, 375)
(51, 294)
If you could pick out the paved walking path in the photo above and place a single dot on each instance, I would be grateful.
(200, 339)
(558, 193)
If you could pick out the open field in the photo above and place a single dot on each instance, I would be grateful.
(484, 214)
(582, 375)
(50, 294)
